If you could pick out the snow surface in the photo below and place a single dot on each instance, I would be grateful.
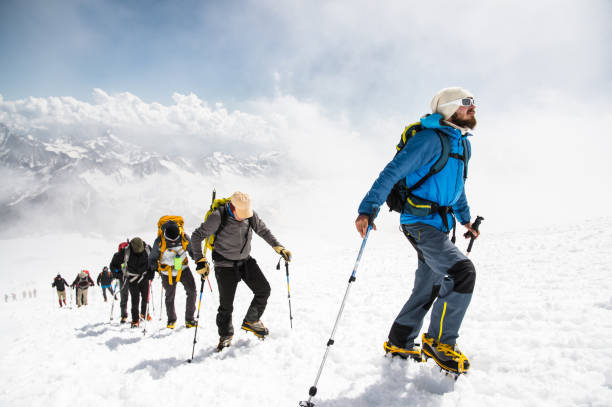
(538, 331)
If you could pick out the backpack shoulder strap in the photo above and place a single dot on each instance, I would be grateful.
(126, 255)
(438, 165)
(224, 215)
(463, 157)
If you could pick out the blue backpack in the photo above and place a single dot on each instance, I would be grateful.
(401, 198)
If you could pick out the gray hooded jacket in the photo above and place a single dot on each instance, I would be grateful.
(230, 242)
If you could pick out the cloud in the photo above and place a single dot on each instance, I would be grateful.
(538, 161)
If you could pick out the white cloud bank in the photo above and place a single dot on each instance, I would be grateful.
(543, 161)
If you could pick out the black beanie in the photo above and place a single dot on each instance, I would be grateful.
(171, 232)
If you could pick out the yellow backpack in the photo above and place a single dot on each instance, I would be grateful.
(184, 242)
(209, 243)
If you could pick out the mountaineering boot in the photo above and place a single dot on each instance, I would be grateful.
(256, 327)
(60, 301)
(142, 317)
(448, 357)
(64, 302)
(224, 342)
(190, 323)
(123, 320)
(171, 324)
(413, 353)
(134, 324)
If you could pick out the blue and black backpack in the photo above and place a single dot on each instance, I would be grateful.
(401, 197)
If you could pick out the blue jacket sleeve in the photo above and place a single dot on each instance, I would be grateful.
(419, 151)
(462, 209)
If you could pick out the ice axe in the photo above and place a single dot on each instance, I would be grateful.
(469, 234)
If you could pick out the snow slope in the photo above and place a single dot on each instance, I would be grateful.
(538, 331)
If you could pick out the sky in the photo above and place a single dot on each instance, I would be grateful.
(354, 56)
(338, 78)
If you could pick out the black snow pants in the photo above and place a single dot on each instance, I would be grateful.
(139, 291)
(124, 293)
(190, 289)
(227, 281)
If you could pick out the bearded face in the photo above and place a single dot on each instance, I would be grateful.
(464, 117)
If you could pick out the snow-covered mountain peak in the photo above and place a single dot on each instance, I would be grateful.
(77, 177)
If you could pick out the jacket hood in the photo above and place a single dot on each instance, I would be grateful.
(434, 121)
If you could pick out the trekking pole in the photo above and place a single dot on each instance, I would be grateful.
(71, 290)
(144, 331)
(161, 297)
(152, 299)
(195, 334)
(214, 195)
(313, 390)
(467, 234)
(113, 303)
(288, 291)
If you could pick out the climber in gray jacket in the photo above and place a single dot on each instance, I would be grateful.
(233, 224)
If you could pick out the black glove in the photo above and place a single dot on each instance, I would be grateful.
(202, 267)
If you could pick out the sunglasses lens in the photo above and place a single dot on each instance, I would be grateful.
(467, 102)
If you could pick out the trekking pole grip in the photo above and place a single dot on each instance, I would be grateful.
(475, 226)
(372, 216)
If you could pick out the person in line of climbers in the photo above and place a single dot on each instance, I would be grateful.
(82, 282)
(60, 285)
(135, 256)
(169, 256)
(118, 273)
(232, 221)
(105, 279)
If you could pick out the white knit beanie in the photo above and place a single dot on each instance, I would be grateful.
(447, 95)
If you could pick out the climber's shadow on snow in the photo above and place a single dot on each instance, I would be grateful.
(165, 332)
(227, 353)
(157, 368)
(114, 343)
(90, 330)
(401, 384)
